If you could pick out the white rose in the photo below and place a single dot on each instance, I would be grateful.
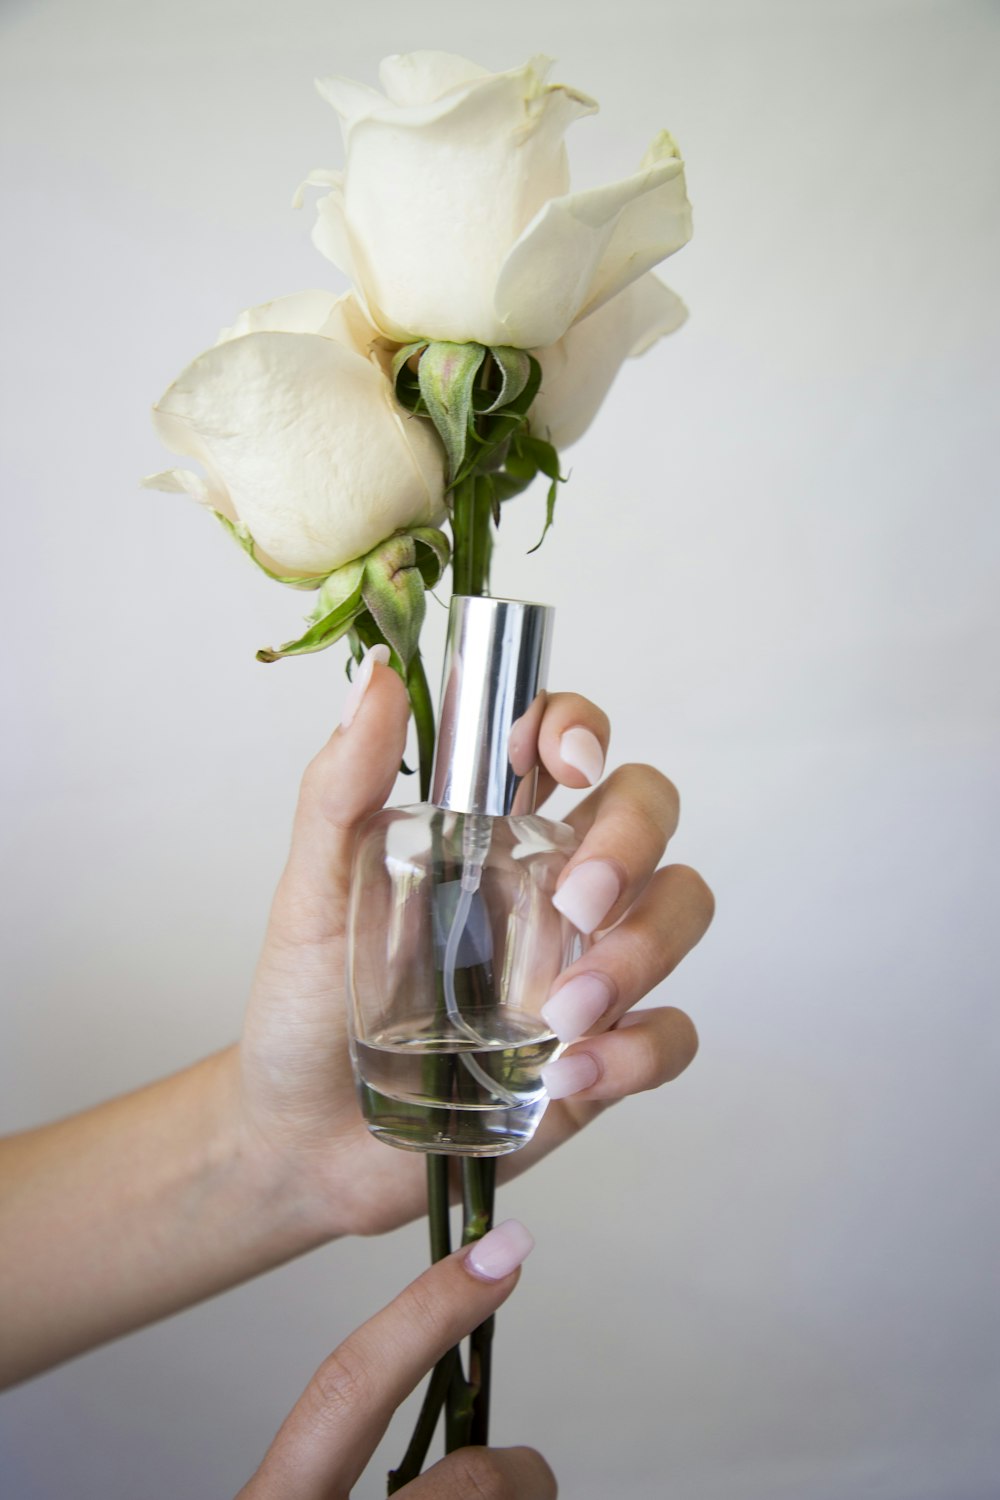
(304, 446)
(453, 216)
(578, 370)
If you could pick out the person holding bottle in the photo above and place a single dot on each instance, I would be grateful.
(154, 1201)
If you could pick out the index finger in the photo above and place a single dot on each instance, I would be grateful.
(332, 1431)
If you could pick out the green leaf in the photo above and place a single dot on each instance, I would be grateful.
(550, 511)
(515, 367)
(542, 455)
(393, 590)
(447, 375)
(320, 635)
(240, 534)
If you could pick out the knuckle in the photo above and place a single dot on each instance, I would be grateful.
(341, 1387)
(654, 793)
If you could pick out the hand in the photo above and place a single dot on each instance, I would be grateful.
(332, 1431)
(295, 1088)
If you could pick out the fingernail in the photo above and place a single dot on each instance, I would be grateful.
(575, 1007)
(362, 678)
(500, 1251)
(588, 894)
(582, 750)
(569, 1075)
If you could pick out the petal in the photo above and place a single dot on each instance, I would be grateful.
(435, 196)
(584, 247)
(186, 482)
(330, 234)
(306, 438)
(577, 372)
(421, 77)
(303, 312)
(318, 177)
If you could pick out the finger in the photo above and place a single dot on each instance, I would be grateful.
(572, 744)
(670, 917)
(500, 1473)
(330, 1434)
(345, 783)
(646, 1049)
(626, 824)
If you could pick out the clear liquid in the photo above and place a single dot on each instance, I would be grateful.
(424, 1090)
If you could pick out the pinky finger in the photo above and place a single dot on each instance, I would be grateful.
(645, 1049)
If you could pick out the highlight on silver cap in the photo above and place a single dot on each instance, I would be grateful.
(495, 667)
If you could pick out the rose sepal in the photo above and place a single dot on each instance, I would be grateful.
(388, 584)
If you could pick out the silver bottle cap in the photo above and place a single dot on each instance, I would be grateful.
(495, 667)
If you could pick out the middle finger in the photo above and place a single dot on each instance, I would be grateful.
(625, 825)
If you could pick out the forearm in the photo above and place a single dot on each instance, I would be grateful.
(133, 1210)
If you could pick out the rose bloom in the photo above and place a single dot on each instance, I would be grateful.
(305, 449)
(453, 216)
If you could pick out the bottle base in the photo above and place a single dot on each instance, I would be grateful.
(448, 1130)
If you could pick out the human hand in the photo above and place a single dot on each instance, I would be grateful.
(295, 1087)
(332, 1431)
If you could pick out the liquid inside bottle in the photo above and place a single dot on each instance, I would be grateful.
(424, 1088)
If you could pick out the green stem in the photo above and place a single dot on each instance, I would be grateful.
(423, 1433)
(422, 709)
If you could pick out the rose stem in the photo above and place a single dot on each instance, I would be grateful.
(471, 523)
(438, 1206)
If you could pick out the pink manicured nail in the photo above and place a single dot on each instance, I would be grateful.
(582, 750)
(588, 894)
(569, 1075)
(500, 1251)
(362, 678)
(573, 1009)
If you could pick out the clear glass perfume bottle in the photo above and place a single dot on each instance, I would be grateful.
(453, 939)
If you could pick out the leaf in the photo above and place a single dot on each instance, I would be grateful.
(320, 635)
(515, 367)
(550, 510)
(393, 591)
(447, 374)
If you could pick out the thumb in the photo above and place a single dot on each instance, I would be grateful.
(348, 780)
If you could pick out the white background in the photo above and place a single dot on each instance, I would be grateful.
(775, 566)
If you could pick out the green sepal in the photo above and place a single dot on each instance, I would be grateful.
(446, 377)
(393, 592)
(433, 553)
(320, 635)
(487, 447)
(515, 367)
(342, 584)
(240, 534)
(404, 355)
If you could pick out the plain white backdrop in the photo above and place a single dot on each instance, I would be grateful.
(775, 565)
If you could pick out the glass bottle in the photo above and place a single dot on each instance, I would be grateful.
(453, 939)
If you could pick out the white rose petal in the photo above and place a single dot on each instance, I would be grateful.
(454, 217)
(301, 437)
(577, 372)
